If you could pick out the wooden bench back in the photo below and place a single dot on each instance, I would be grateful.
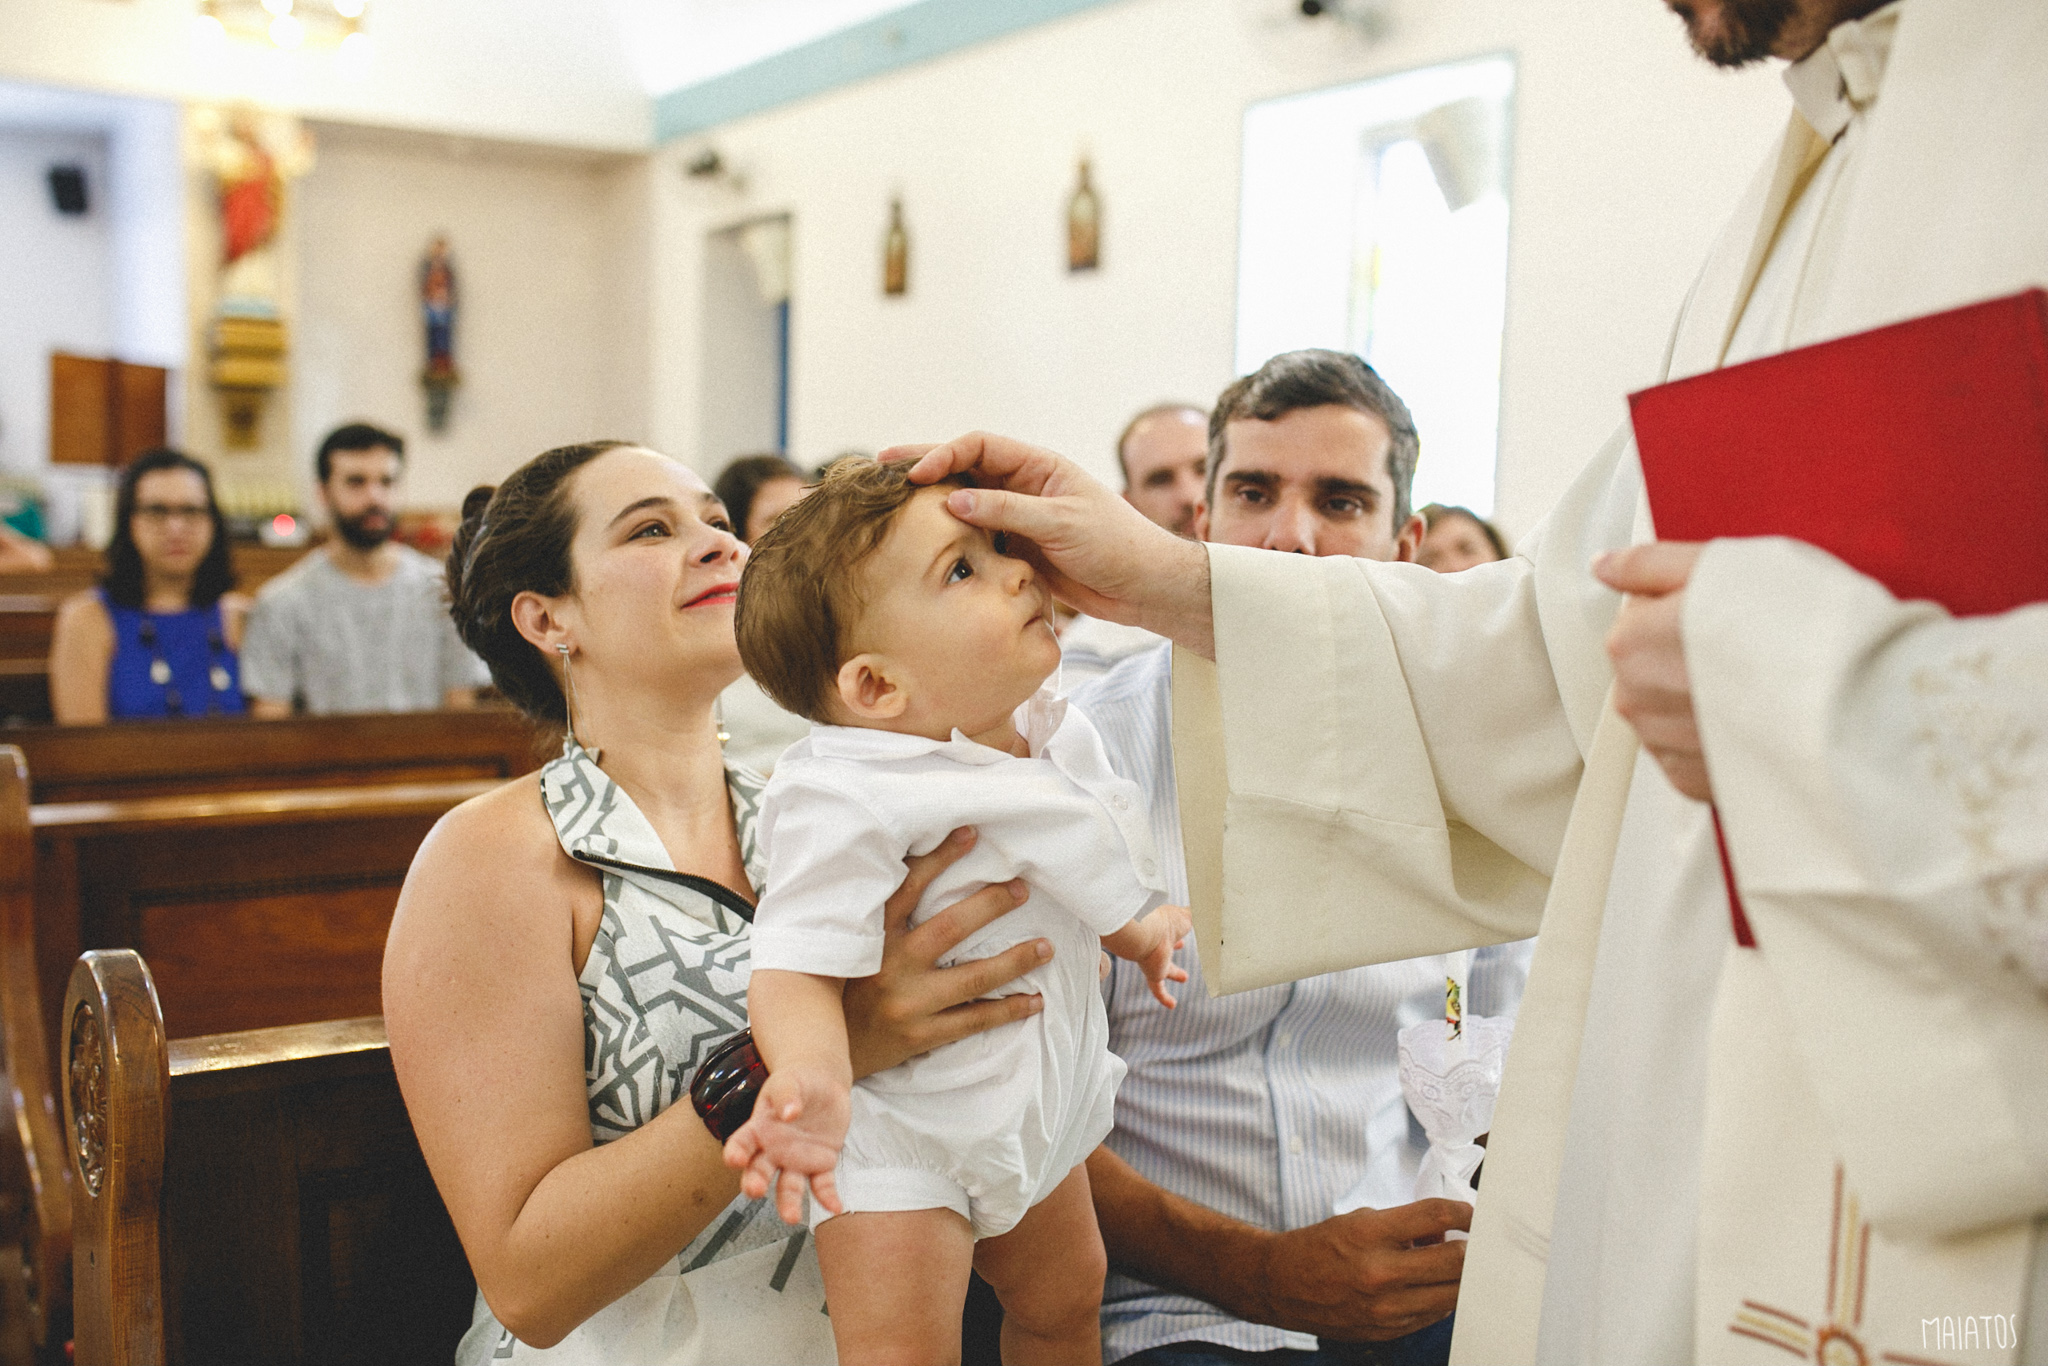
(158, 758)
(79, 568)
(260, 909)
(27, 621)
(254, 1197)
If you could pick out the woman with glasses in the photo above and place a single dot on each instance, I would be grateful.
(158, 636)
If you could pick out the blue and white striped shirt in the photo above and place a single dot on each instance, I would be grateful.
(1268, 1106)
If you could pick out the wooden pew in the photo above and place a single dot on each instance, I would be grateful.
(25, 692)
(258, 909)
(26, 623)
(78, 568)
(252, 1198)
(159, 758)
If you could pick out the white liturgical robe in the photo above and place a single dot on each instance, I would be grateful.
(1833, 1146)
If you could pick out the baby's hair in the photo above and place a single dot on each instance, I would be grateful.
(800, 595)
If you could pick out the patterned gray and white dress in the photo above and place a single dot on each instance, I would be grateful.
(665, 982)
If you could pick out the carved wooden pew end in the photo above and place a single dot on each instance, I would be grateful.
(251, 1197)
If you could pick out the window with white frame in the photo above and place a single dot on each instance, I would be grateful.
(1375, 220)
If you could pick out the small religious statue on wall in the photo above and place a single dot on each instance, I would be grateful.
(437, 309)
(1084, 225)
(896, 253)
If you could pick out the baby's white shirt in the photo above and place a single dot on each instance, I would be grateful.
(847, 804)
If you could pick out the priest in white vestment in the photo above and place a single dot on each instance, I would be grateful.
(1833, 1146)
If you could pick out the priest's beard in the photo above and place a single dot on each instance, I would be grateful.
(1734, 33)
(366, 531)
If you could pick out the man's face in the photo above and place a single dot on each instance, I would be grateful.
(1163, 466)
(1738, 32)
(1312, 482)
(361, 492)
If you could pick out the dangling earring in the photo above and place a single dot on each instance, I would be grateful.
(569, 704)
(718, 718)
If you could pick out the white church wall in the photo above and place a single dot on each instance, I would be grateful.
(1628, 153)
(537, 70)
(55, 281)
(548, 253)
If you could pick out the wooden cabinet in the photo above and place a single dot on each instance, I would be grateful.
(104, 412)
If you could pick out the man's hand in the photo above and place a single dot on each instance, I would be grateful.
(1652, 690)
(1366, 1276)
(1369, 1275)
(913, 1005)
(1098, 553)
(792, 1140)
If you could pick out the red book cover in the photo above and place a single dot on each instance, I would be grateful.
(1915, 453)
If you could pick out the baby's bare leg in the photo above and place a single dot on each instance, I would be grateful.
(895, 1282)
(1048, 1273)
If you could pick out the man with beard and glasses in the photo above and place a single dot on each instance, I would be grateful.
(358, 625)
(1821, 1132)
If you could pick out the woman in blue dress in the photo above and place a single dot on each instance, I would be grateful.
(158, 636)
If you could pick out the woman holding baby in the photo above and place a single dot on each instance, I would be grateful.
(569, 947)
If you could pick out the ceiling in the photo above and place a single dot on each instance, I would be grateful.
(566, 72)
(674, 43)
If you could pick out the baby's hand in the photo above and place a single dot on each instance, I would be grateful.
(1150, 943)
(793, 1137)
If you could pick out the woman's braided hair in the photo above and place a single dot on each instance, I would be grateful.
(515, 539)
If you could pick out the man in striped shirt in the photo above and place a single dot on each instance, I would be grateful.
(1245, 1119)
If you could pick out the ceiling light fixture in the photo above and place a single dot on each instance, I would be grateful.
(287, 25)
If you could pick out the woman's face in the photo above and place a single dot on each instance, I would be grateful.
(657, 567)
(1455, 543)
(171, 524)
(771, 500)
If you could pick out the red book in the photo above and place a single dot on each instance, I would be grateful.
(1915, 453)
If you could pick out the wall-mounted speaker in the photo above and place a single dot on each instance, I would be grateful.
(67, 189)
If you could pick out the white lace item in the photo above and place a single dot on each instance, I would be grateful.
(1451, 1085)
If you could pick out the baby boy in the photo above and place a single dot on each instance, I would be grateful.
(920, 651)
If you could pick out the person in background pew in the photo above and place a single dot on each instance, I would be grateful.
(757, 489)
(160, 635)
(1458, 538)
(570, 948)
(357, 624)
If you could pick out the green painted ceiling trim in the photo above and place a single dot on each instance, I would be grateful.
(915, 33)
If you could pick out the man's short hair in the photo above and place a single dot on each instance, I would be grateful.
(800, 595)
(1156, 410)
(1294, 380)
(355, 436)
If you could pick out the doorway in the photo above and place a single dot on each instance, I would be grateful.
(745, 399)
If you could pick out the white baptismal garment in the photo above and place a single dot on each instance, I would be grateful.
(990, 1125)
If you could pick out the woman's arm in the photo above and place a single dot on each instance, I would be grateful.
(81, 652)
(487, 1035)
